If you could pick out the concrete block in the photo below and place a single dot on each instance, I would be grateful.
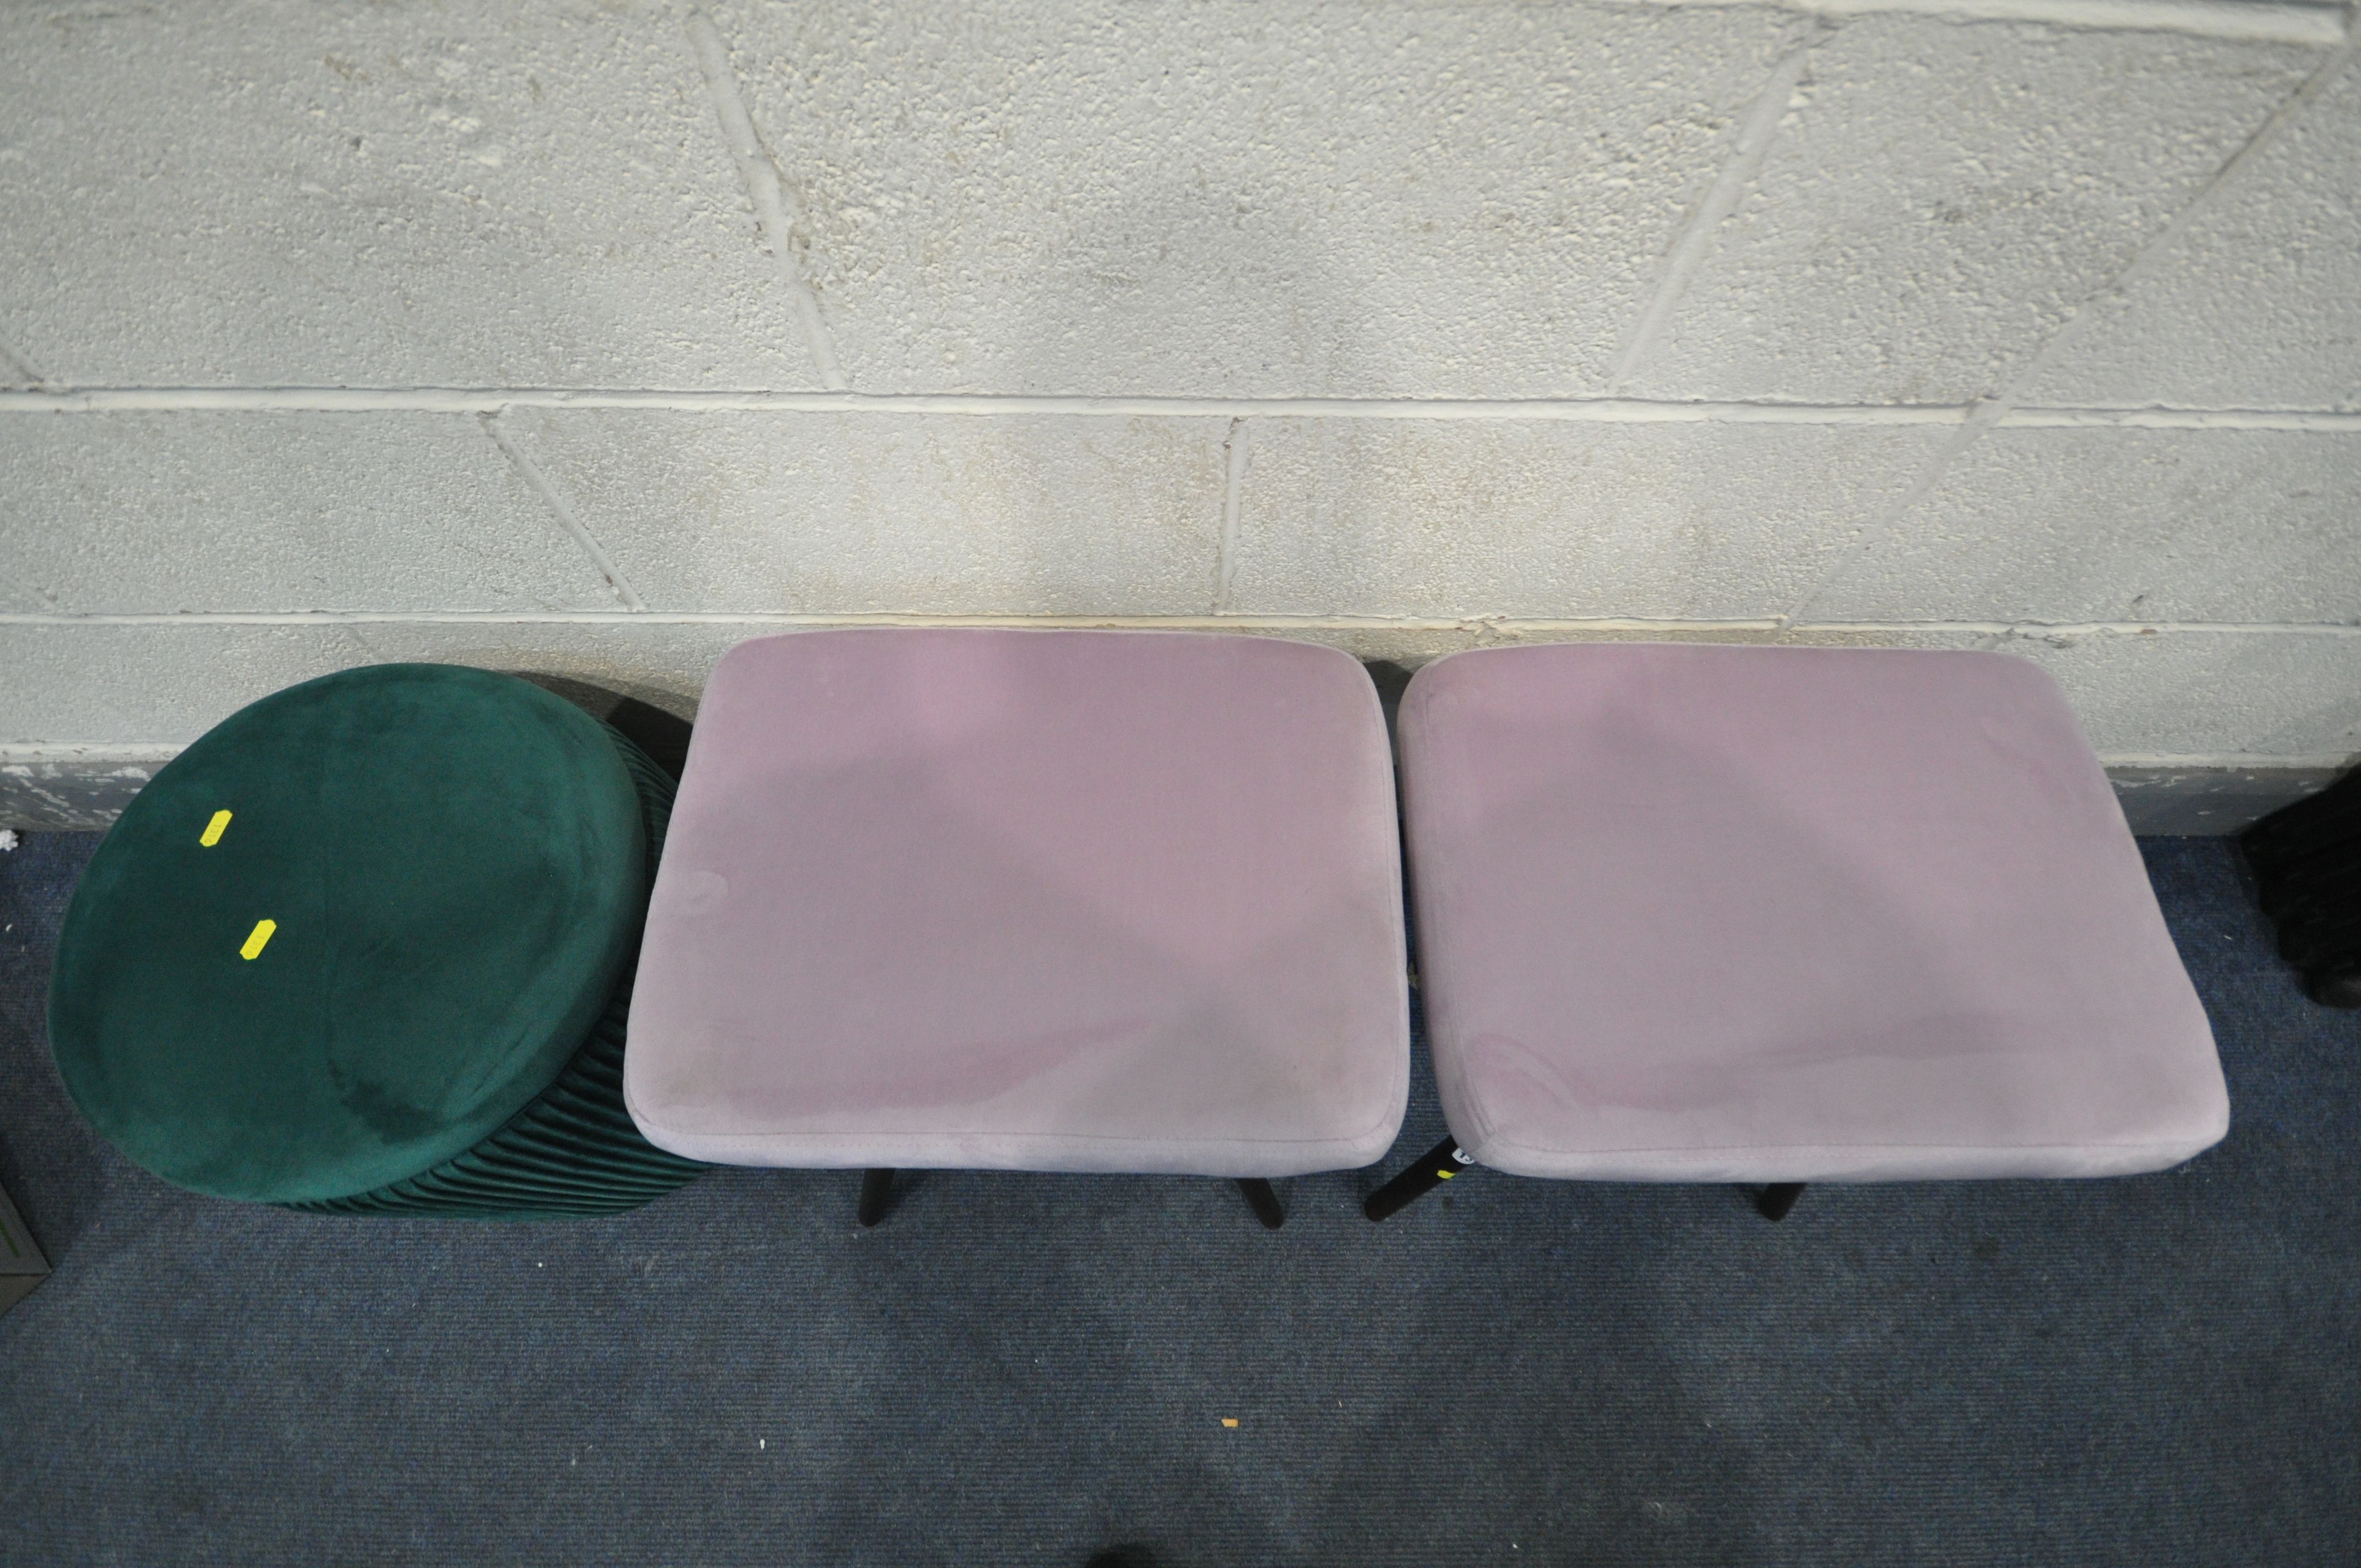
(2258, 302)
(282, 192)
(2080, 525)
(2247, 696)
(1554, 520)
(1944, 195)
(150, 686)
(1238, 198)
(839, 514)
(153, 687)
(659, 662)
(145, 514)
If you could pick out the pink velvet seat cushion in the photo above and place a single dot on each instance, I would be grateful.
(1042, 900)
(1716, 913)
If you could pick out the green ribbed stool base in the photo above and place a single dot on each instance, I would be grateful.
(575, 1150)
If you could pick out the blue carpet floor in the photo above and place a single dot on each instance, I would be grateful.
(1033, 1369)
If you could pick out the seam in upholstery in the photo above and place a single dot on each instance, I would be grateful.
(1395, 1115)
(1798, 1148)
(1034, 1137)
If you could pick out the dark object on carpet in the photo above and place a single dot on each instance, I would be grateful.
(2307, 865)
(1031, 1370)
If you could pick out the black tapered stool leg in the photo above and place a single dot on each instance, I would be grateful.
(876, 1194)
(1263, 1201)
(1441, 1163)
(1773, 1201)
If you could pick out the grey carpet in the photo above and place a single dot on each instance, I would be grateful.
(1031, 1369)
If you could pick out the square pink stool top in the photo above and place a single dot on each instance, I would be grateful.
(1110, 900)
(1715, 913)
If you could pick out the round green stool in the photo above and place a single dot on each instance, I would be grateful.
(366, 948)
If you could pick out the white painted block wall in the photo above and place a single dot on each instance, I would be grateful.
(591, 338)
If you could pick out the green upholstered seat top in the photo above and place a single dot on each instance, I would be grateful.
(350, 932)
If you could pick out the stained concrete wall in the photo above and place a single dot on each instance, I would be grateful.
(591, 338)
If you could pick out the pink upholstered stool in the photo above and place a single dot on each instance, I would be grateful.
(1081, 901)
(1782, 916)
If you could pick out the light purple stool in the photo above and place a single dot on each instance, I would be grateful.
(1076, 900)
(1782, 915)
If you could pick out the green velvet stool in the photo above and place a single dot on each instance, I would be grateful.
(366, 948)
